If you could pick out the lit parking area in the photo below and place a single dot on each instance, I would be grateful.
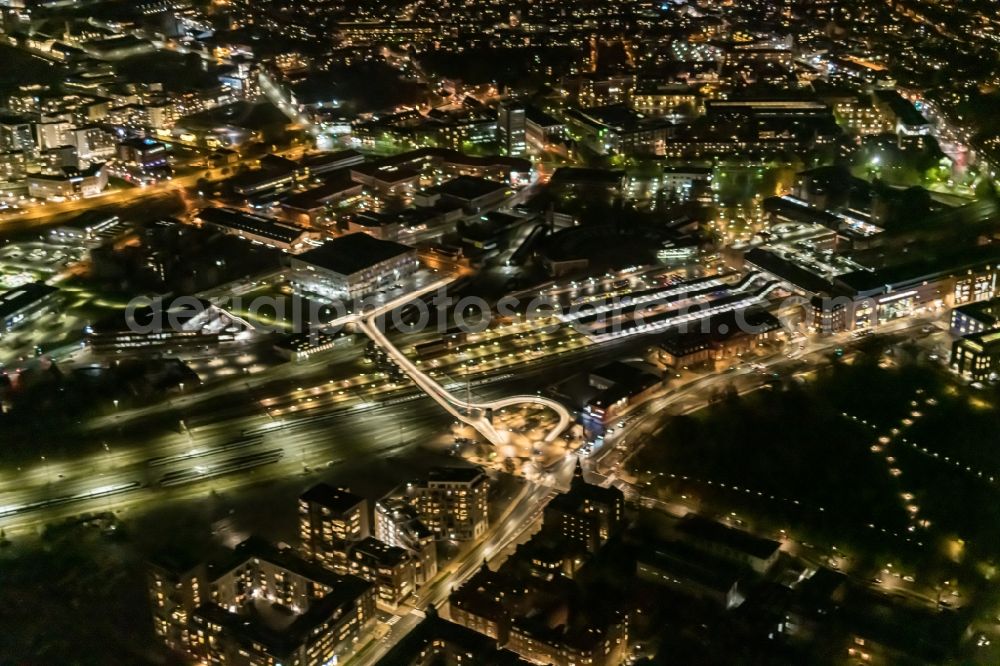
(30, 261)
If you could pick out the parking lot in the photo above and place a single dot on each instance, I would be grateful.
(33, 260)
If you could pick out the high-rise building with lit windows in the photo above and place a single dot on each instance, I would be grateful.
(451, 502)
(398, 524)
(330, 520)
(512, 127)
(260, 605)
(177, 585)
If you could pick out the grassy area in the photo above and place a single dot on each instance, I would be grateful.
(951, 457)
(47, 588)
(790, 459)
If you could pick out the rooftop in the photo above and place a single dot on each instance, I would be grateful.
(911, 273)
(380, 551)
(987, 312)
(467, 188)
(689, 564)
(259, 178)
(317, 196)
(439, 635)
(335, 499)
(569, 175)
(326, 161)
(985, 340)
(278, 629)
(615, 116)
(24, 296)
(903, 108)
(799, 212)
(701, 528)
(618, 392)
(619, 372)
(446, 155)
(784, 269)
(535, 115)
(455, 475)
(265, 227)
(719, 328)
(580, 491)
(353, 253)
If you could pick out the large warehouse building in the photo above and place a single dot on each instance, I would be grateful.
(352, 266)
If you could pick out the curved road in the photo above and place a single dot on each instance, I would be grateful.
(460, 409)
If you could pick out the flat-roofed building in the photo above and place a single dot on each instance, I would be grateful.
(13, 167)
(323, 163)
(390, 568)
(580, 178)
(543, 129)
(617, 129)
(397, 523)
(908, 120)
(26, 303)
(71, 183)
(144, 153)
(385, 178)
(975, 317)
(685, 181)
(512, 128)
(16, 135)
(739, 54)
(452, 502)
(176, 584)
(330, 521)
(691, 572)
(384, 226)
(300, 346)
(729, 543)
(665, 100)
(512, 170)
(977, 357)
(863, 298)
(185, 322)
(260, 181)
(90, 229)
(269, 606)
(352, 266)
(257, 229)
(473, 194)
(309, 206)
(621, 386)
